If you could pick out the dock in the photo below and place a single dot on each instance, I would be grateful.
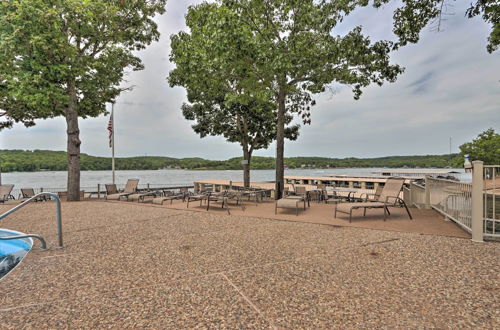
(418, 173)
(364, 183)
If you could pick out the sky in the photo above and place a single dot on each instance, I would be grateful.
(450, 90)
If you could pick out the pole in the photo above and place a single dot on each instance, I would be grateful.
(450, 152)
(427, 193)
(113, 141)
(477, 201)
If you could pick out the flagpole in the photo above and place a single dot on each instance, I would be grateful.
(113, 141)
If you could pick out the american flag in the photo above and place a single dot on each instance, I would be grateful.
(110, 129)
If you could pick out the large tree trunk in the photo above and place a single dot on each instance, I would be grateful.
(280, 145)
(246, 167)
(74, 142)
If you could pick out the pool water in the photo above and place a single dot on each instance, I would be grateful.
(12, 251)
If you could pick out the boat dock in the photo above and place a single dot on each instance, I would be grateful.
(417, 173)
(363, 184)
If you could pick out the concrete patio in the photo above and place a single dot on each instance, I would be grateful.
(424, 221)
(141, 266)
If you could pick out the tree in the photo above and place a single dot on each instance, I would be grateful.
(485, 147)
(252, 126)
(226, 97)
(299, 56)
(67, 58)
(414, 15)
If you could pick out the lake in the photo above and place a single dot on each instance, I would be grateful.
(56, 180)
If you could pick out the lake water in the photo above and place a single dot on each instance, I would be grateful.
(56, 180)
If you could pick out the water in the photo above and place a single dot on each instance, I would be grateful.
(12, 251)
(56, 180)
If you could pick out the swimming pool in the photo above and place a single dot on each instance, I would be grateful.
(12, 251)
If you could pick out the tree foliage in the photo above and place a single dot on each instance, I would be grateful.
(485, 147)
(214, 63)
(299, 55)
(414, 15)
(490, 11)
(36, 160)
(68, 58)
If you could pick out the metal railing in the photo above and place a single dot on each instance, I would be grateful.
(473, 206)
(417, 195)
(451, 198)
(58, 215)
(38, 237)
(491, 200)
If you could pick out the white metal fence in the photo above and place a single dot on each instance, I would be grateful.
(491, 200)
(470, 205)
(451, 198)
(416, 195)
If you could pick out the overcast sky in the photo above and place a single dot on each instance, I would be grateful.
(450, 88)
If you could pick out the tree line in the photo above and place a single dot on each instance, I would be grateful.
(39, 160)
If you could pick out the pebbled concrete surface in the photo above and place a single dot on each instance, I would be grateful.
(137, 266)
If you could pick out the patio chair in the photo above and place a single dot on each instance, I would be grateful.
(389, 197)
(315, 195)
(111, 189)
(27, 193)
(171, 196)
(289, 203)
(301, 194)
(6, 192)
(197, 197)
(366, 197)
(64, 194)
(220, 197)
(130, 188)
(140, 196)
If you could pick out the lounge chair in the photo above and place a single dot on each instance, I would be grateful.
(130, 188)
(64, 194)
(315, 195)
(293, 201)
(140, 196)
(6, 192)
(170, 196)
(288, 203)
(111, 189)
(27, 193)
(301, 194)
(202, 196)
(218, 197)
(372, 197)
(389, 197)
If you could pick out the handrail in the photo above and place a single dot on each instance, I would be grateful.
(38, 237)
(58, 214)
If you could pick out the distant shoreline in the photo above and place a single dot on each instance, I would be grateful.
(47, 160)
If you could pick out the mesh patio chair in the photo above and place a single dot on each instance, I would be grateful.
(141, 196)
(27, 193)
(111, 189)
(372, 197)
(6, 192)
(171, 196)
(201, 196)
(130, 188)
(301, 194)
(389, 197)
(219, 198)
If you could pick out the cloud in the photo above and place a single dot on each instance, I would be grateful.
(450, 88)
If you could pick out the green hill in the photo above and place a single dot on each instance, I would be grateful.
(37, 160)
